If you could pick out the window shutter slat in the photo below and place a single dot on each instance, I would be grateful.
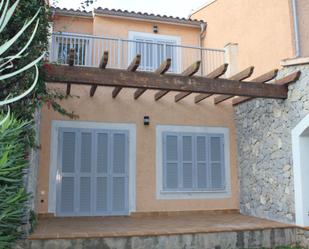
(171, 148)
(119, 190)
(187, 162)
(102, 152)
(172, 175)
(119, 177)
(216, 162)
(85, 195)
(86, 148)
(201, 158)
(101, 194)
(67, 195)
(68, 152)
(119, 159)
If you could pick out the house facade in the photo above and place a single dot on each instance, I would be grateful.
(123, 155)
(266, 34)
(211, 149)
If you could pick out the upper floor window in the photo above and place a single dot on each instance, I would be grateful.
(154, 49)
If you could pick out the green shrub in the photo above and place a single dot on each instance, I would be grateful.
(13, 196)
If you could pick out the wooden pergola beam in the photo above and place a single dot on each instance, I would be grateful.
(71, 59)
(102, 65)
(213, 75)
(131, 68)
(162, 69)
(189, 71)
(239, 77)
(291, 78)
(262, 79)
(180, 96)
(168, 82)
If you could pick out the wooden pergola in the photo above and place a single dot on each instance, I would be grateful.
(186, 83)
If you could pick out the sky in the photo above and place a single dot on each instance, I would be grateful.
(181, 8)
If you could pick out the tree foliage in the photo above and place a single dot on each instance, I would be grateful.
(25, 108)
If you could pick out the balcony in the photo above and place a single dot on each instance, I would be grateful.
(89, 50)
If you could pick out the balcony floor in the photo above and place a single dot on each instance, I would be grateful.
(149, 225)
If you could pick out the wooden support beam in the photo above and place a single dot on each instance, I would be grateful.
(291, 78)
(162, 69)
(102, 65)
(131, 68)
(239, 77)
(189, 71)
(180, 96)
(283, 81)
(213, 75)
(71, 59)
(171, 82)
(262, 79)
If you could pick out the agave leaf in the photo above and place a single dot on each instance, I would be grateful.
(9, 43)
(4, 12)
(6, 117)
(1, 4)
(11, 58)
(11, 100)
(7, 67)
(10, 75)
(8, 15)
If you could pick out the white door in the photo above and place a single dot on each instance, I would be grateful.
(300, 143)
(93, 172)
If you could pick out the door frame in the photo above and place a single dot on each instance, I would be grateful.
(54, 152)
(300, 146)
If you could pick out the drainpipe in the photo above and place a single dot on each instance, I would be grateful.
(296, 28)
(202, 36)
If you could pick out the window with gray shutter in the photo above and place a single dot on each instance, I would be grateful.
(193, 162)
(93, 172)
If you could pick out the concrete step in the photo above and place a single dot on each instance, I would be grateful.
(265, 238)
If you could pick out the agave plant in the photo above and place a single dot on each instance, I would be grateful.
(7, 62)
(13, 196)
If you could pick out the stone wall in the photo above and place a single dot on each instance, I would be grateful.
(269, 238)
(265, 150)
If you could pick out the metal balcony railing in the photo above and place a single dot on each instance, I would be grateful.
(89, 50)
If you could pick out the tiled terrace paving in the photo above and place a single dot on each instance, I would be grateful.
(153, 225)
(178, 230)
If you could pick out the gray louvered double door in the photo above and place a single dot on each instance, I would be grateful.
(92, 177)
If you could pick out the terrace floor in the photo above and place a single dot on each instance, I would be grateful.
(150, 225)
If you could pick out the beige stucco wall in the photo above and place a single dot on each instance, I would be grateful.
(124, 109)
(73, 24)
(303, 19)
(262, 29)
(119, 28)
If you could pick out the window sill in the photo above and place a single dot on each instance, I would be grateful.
(197, 194)
(192, 191)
